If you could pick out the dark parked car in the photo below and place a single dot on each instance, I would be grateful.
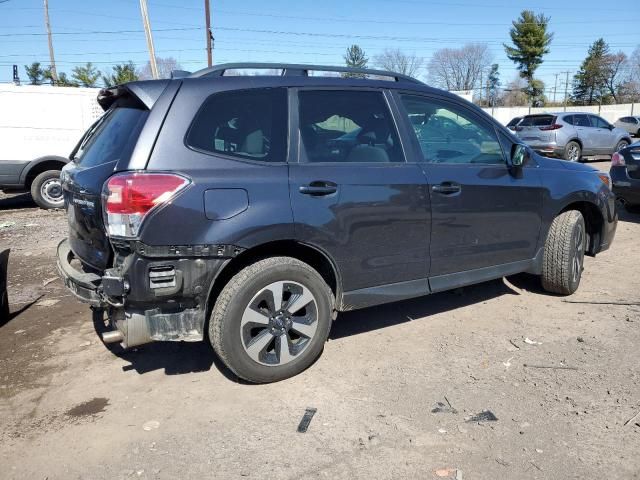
(625, 175)
(249, 210)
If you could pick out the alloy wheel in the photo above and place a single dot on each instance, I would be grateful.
(279, 323)
(574, 153)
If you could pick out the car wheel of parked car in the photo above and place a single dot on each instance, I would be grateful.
(573, 152)
(46, 190)
(270, 322)
(563, 256)
(621, 144)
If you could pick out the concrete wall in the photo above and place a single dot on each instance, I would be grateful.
(611, 113)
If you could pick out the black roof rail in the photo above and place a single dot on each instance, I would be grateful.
(292, 69)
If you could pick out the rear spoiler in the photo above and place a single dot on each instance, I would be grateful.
(146, 92)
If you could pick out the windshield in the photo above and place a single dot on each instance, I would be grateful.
(112, 137)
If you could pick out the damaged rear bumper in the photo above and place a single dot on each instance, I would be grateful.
(149, 298)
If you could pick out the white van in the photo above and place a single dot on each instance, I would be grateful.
(39, 127)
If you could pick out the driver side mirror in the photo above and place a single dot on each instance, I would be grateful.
(519, 155)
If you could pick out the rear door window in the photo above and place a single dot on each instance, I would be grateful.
(581, 121)
(112, 137)
(347, 127)
(248, 124)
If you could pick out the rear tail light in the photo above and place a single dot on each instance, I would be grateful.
(617, 160)
(129, 197)
(546, 128)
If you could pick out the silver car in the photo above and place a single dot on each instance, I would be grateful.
(630, 124)
(571, 135)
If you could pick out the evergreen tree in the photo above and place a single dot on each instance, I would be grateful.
(493, 85)
(122, 73)
(590, 83)
(86, 76)
(531, 42)
(35, 73)
(355, 58)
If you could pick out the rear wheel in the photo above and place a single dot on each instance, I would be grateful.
(46, 190)
(563, 257)
(573, 152)
(271, 320)
(621, 144)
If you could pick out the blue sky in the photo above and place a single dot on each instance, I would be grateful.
(301, 31)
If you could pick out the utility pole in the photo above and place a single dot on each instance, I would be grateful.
(54, 72)
(566, 90)
(207, 14)
(147, 31)
(555, 88)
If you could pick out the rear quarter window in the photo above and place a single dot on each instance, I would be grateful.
(248, 124)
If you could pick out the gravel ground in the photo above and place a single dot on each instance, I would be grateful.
(71, 407)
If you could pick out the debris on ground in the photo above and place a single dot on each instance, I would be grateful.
(50, 280)
(306, 419)
(444, 408)
(484, 416)
(449, 473)
(528, 341)
(553, 367)
(507, 364)
(580, 340)
(514, 344)
(151, 425)
(7, 224)
(632, 419)
(47, 303)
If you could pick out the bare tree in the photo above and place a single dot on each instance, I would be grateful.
(615, 73)
(459, 68)
(515, 93)
(165, 67)
(632, 86)
(398, 61)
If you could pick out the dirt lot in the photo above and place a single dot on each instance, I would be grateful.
(72, 408)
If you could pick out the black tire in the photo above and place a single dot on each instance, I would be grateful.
(572, 152)
(46, 190)
(622, 144)
(226, 331)
(563, 257)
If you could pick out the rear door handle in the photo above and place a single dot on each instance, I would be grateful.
(319, 188)
(447, 188)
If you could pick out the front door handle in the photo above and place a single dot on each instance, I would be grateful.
(447, 188)
(319, 188)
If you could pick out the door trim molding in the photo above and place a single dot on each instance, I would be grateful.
(394, 292)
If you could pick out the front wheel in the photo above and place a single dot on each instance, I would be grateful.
(563, 256)
(573, 152)
(270, 322)
(46, 190)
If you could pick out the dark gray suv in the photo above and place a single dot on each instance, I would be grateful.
(249, 210)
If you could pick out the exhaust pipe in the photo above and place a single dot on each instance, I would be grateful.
(114, 336)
